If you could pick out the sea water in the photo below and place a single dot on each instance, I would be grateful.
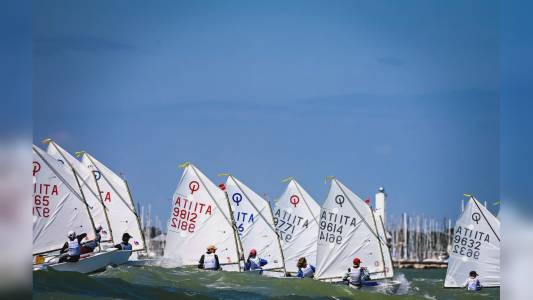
(153, 282)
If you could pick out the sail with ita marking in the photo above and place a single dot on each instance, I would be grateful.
(57, 205)
(296, 216)
(115, 194)
(255, 223)
(200, 216)
(476, 247)
(348, 229)
(87, 187)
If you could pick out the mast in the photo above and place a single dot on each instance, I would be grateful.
(136, 217)
(238, 243)
(279, 240)
(380, 247)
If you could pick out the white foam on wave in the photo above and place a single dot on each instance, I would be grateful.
(405, 285)
(427, 296)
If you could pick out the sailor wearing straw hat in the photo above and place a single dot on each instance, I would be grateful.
(209, 261)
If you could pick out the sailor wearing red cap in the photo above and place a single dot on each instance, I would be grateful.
(254, 262)
(357, 275)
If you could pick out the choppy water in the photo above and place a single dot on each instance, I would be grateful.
(151, 282)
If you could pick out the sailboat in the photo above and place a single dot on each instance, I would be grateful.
(200, 216)
(57, 208)
(296, 216)
(348, 229)
(115, 195)
(255, 224)
(87, 187)
(476, 247)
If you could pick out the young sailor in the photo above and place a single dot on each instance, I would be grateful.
(254, 263)
(125, 245)
(70, 252)
(89, 246)
(357, 275)
(305, 270)
(472, 282)
(209, 260)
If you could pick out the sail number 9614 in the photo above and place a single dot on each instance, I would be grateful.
(330, 232)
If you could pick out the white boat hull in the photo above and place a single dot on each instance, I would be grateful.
(95, 262)
(387, 287)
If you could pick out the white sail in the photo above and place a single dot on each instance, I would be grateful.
(57, 206)
(347, 230)
(200, 216)
(88, 186)
(255, 223)
(296, 216)
(387, 257)
(476, 247)
(116, 197)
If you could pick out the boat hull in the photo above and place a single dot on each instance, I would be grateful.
(388, 287)
(93, 263)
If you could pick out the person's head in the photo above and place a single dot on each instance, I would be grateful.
(211, 249)
(126, 237)
(473, 274)
(253, 253)
(98, 227)
(71, 235)
(356, 262)
(302, 263)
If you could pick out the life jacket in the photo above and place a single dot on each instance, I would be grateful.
(255, 263)
(356, 276)
(126, 246)
(308, 272)
(473, 284)
(73, 247)
(210, 262)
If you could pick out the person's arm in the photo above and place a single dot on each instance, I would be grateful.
(64, 248)
(201, 262)
(466, 283)
(366, 274)
(81, 237)
(263, 262)
(247, 265)
(118, 246)
(300, 273)
(217, 264)
(312, 268)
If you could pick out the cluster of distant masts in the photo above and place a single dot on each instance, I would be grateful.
(418, 238)
(153, 232)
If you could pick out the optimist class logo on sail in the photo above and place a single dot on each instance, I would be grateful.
(41, 194)
(187, 211)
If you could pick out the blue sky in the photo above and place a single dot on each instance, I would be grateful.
(400, 94)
